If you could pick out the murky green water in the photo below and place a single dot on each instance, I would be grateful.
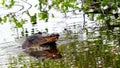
(93, 47)
(93, 52)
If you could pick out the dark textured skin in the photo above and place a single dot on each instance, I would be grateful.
(48, 53)
(42, 45)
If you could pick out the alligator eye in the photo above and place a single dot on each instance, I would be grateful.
(31, 38)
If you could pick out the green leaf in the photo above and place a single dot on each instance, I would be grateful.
(108, 35)
(17, 23)
(40, 6)
(43, 15)
(12, 2)
(46, 29)
(5, 19)
(10, 20)
(56, 6)
(23, 21)
(36, 5)
(28, 13)
(85, 9)
(114, 6)
(33, 19)
(91, 17)
(100, 17)
(104, 2)
(49, 7)
(46, 20)
(53, 16)
(0, 19)
(3, 2)
(87, 4)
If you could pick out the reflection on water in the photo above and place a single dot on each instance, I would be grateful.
(7, 50)
(11, 38)
(6, 33)
(92, 47)
(69, 28)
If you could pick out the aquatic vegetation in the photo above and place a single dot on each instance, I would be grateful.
(99, 50)
(75, 55)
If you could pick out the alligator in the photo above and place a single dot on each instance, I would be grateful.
(42, 44)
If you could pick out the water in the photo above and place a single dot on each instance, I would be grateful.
(11, 38)
(12, 55)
